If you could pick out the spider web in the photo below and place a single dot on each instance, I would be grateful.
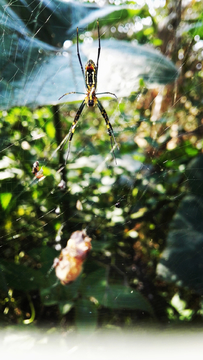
(91, 191)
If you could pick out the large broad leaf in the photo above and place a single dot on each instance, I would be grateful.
(85, 315)
(60, 295)
(54, 21)
(19, 277)
(45, 256)
(35, 73)
(182, 260)
(114, 296)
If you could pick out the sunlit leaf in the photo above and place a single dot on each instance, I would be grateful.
(50, 129)
(5, 199)
(65, 306)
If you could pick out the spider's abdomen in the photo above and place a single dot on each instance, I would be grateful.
(90, 75)
(91, 99)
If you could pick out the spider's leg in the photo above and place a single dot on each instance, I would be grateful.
(72, 130)
(72, 92)
(107, 92)
(109, 127)
(99, 47)
(69, 136)
(79, 58)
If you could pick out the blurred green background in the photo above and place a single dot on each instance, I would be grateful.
(144, 214)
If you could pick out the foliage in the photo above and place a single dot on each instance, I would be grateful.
(35, 70)
(143, 212)
(182, 258)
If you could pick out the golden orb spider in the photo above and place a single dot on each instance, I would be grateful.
(91, 100)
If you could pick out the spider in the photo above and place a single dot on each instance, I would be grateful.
(91, 100)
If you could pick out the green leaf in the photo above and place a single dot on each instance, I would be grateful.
(44, 255)
(5, 199)
(50, 295)
(152, 142)
(57, 294)
(85, 315)
(157, 42)
(194, 175)
(60, 27)
(124, 297)
(95, 284)
(50, 129)
(40, 72)
(20, 277)
(113, 296)
(65, 306)
(182, 258)
(148, 31)
(100, 245)
(195, 29)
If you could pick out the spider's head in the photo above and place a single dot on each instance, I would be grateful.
(90, 66)
(90, 74)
